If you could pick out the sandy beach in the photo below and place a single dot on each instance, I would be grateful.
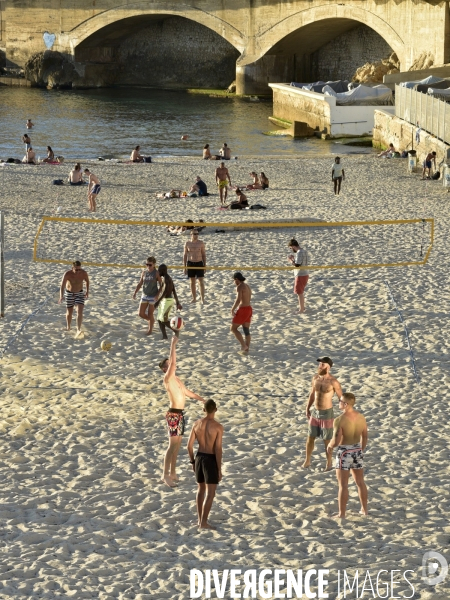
(83, 433)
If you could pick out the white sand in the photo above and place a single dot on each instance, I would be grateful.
(83, 431)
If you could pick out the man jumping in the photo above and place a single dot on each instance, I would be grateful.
(72, 291)
(207, 464)
(177, 392)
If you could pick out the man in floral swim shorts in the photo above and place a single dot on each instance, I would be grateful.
(177, 392)
(350, 438)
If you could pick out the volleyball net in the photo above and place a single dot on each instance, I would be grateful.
(247, 245)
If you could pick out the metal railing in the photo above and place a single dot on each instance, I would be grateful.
(432, 114)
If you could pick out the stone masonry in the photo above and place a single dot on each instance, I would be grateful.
(274, 38)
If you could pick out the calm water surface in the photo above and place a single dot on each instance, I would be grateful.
(110, 122)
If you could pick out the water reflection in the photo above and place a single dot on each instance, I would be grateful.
(110, 122)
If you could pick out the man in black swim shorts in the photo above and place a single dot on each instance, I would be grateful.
(195, 256)
(207, 463)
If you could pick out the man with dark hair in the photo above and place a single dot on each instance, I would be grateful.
(72, 291)
(241, 312)
(150, 282)
(428, 163)
(167, 299)
(320, 416)
(301, 276)
(337, 175)
(207, 463)
(350, 437)
(199, 187)
(177, 392)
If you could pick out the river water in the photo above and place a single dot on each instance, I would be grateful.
(110, 122)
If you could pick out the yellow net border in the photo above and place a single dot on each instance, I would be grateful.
(258, 224)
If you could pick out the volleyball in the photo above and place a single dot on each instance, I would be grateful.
(106, 345)
(176, 323)
(59, 209)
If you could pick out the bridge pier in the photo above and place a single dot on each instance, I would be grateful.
(253, 77)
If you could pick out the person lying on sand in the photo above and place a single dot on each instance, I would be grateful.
(171, 194)
(179, 229)
(207, 463)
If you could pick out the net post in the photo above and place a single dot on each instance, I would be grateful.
(2, 266)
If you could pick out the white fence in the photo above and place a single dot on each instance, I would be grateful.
(432, 114)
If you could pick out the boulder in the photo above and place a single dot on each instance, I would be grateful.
(231, 89)
(424, 61)
(51, 69)
(375, 71)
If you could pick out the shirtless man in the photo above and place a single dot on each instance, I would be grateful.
(177, 392)
(166, 302)
(72, 291)
(428, 163)
(27, 141)
(136, 156)
(320, 416)
(225, 152)
(207, 464)
(94, 188)
(221, 179)
(151, 284)
(195, 256)
(350, 437)
(242, 312)
(29, 124)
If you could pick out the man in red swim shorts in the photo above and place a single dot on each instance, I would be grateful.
(242, 312)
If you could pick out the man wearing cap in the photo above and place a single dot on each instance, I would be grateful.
(300, 258)
(242, 312)
(319, 409)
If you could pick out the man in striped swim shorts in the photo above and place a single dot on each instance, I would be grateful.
(350, 438)
(73, 292)
(319, 409)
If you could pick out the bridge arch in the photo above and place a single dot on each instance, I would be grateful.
(139, 12)
(275, 56)
(319, 25)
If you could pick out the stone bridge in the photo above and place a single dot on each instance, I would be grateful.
(180, 43)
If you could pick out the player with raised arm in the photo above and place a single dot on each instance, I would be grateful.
(207, 463)
(177, 392)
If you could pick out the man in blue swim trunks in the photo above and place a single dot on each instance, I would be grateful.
(72, 291)
(350, 438)
(94, 188)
